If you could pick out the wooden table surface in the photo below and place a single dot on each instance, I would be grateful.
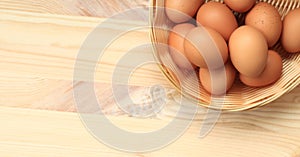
(37, 110)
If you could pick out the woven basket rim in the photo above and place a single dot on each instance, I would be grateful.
(166, 74)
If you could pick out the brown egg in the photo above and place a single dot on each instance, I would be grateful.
(180, 11)
(239, 6)
(271, 73)
(222, 78)
(219, 17)
(248, 51)
(265, 17)
(291, 33)
(205, 48)
(176, 43)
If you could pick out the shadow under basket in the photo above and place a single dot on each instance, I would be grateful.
(240, 97)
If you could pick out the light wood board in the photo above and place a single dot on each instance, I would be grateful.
(37, 57)
(32, 133)
(96, 8)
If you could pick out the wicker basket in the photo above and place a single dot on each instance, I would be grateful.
(240, 97)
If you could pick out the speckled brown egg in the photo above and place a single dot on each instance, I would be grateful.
(271, 73)
(180, 11)
(222, 78)
(266, 18)
(219, 17)
(291, 31)
(248, 51)
(176, 43)
(205, 48)
(239, 6)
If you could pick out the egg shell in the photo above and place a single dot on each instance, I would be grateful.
(271, 73)
(266, 18)
(223, 79)
(217, 16)
(291, 31)
(176, 45)
(180, 11)
(248, 51)
(205, 48)
(239, 6)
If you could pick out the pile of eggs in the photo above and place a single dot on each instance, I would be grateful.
(240, 49)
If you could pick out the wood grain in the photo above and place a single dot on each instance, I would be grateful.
(37, 54)
(46, 133)
(52, 44)
(37, 63)
(97, 8)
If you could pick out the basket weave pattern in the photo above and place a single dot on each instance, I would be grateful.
(240, 97)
